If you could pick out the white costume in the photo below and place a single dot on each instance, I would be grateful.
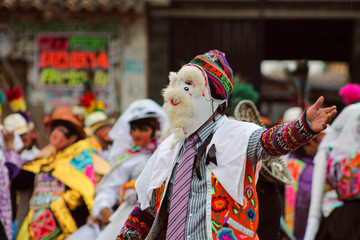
(120, 132)
(108, 191)
(343, 137)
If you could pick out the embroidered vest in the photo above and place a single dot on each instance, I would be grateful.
(228, 219)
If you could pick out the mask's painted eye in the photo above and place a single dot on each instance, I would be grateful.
(186, 88)
(188, 82)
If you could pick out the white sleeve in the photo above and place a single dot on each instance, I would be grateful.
(107, 193)
(317, 192)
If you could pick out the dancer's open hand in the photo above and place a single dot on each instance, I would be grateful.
(320, 117)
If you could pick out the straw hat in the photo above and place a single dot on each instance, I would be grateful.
(292, 113)
(65, 114)
(18, 123)
(96, 120)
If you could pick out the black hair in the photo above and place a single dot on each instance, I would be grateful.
(72, 130)
(151, 122)
(222, 108)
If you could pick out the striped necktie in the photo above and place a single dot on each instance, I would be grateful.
(181, 192)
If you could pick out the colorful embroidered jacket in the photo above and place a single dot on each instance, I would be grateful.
(344, 176)
(63, 192)
(94, 143)
(231, 205)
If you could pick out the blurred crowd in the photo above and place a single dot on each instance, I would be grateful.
(82, 184)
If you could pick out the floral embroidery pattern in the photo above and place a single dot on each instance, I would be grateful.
(250, 179)
(138, 223)
(215, 225)
(128, 234)
(250, 214)
(159, 193)
(225, 211)
(219, 204)
(249, 191)
(349, 183)
(226, 234)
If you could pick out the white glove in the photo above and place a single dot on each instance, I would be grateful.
(130, 196)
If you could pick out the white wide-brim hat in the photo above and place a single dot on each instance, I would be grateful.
(17, 122)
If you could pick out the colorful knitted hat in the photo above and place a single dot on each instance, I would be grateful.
(218, 71)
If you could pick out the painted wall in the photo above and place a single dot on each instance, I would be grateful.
(134, 84)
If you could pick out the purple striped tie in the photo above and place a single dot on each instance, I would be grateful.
(181, 192)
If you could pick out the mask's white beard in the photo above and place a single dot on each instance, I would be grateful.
(179, 108)
(186, 113)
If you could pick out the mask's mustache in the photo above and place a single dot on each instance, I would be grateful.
(175, 102)
(175, 96)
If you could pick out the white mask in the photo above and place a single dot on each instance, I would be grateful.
(188, 101)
